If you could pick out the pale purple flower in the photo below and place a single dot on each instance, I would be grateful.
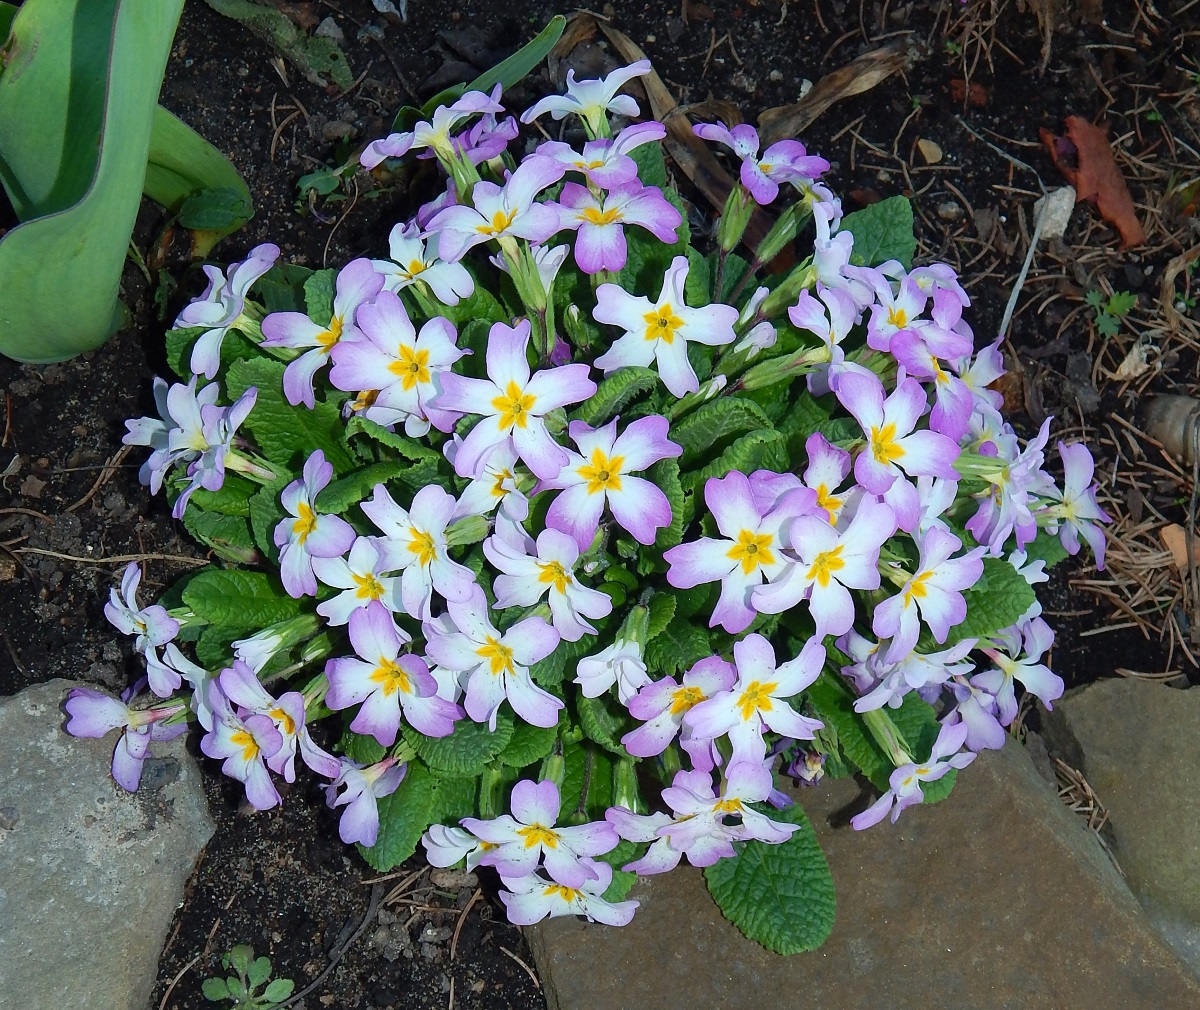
(661, 708)
(361, 579)
(414, 542)
(600, 473)
(493, 666)
(362, 788)
(529, 837)
(406, 368)
(241, 686)
(546, 568)
(357, 283)
(978, 709)
(485, 140)
(222, 306)
(659, 332)
(705, 846)
(547, 261)
(699, 811)
(600, 221)
(935, 589)
(749, 551)
(605, 163)
(1018, 658)
(306, 534)
(758, 699)
(512, 404)
(620, 663)
(499, 212)
(1077, 511)
(591, 100)
(827, 470)
(197, 678)
(152, 627)
(893, 448)
(94, 714)
(906, 781)
(1017, 479)
(500, 486)
(831, 563)
(830, 319)
(410, 264)
(386, 682)
(531, 899)
(783, 161)
(434, 135)
(446, 845)
(245, 740)
(894, 311)
(915, 672)
(832, 250)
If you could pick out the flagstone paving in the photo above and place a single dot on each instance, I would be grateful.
(90, 875)
(999, 897)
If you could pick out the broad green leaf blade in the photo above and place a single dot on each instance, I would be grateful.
(82, 75)
(612, 394)
(883, 231)
(706, 430)
(237, 600)
(677, 647)
(997, 601)
(7, 13)
(403, 818)
(467, 751)
(834, 706)
(528, 744)
(778, 895)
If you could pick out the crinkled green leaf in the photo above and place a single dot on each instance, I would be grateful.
(340, 495)
(229, 536)
(665, 476)
(834, 705)
(467, 751)
(319, 291)
(706, 430)
(528, 744)
(481, 305)
(1046, 547)
(287, 434)
(453, 799)
(231, 499)
(809, 414)
(677, 647)
(212, 647)
(763, 449)
(234, 599)
(612, 394)
(697, 289)
(662, 611)
(560, 664)
(282, 287)
(778, 895)
(883, 231)
(602, 722)
(406, 447)
(590, 766)
(265, 514)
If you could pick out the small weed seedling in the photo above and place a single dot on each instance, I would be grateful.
(1110, 311)
(241, 990)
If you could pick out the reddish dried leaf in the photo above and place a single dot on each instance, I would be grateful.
(974, 94)
(1095, 175)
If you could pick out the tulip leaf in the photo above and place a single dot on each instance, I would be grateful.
(779, 895)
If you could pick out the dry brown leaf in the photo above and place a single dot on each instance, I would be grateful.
(1174, 538)
(929, 151)
(1096, 176)
(968, 94)
(857, 76)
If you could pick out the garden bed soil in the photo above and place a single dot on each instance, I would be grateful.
(71, 505)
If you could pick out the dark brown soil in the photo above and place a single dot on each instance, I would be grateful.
(281, 880)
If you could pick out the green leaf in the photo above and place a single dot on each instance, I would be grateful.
(467, 751)
(665, 476)
(406, 447)
(662, 611)
(778, 895)
(1109, 326)
(212, 647)
(265, 514)
(622, 387)
(77, 110)
(652, 166)
(287, 434)
(282, 287)
(224, 209)
(809, 414)
(234, 599)
(342, 494)
(1046, 547)
(481, 305)
(228, 536)
(214, 989)
(528, 744)
(764, 449)
(403, 818)
(240, 957)
(560, 664)
(232, 499)
(883, 231)
(259, 971)
(585, 765)
(1121, 302)
(279, 990)
(834, 706)
(602, 723)
(697, 288)
(319, 291)
(997, 601)
(453, 799)
(707, 429)
(316, 56)
(677, 648)
(622, 882)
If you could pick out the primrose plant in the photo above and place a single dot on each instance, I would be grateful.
(580, 540)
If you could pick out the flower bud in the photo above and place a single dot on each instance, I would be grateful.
(625, 787)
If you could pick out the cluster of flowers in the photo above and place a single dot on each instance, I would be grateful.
(860, 540)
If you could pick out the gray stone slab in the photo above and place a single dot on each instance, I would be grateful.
(90, 875)
(996, 898)
(1138, 745)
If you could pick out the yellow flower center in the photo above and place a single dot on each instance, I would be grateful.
(412, 366)
(916, 588)
(327, 338)
(884, 447)
(500, 221)
(392, 678)
(365, 399)
(825, 564)
(683, 698)
(499, 656)
(514, 406)
(554, 573)
(423, 547)
(582, 165)
(288, 724)
(603, 473)
(662, 324)
(416, 267)
(306, 523)
(244, 740)
(593, 216)
(752, 550)
(538, 834)
(829, 502)
(498, 488)
(368, 587)
(897, 317)
(728, 807)
(568, 894)
(756, 698)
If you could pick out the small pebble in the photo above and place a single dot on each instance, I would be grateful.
(950, 210)
(330, 29)
(775, 75)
